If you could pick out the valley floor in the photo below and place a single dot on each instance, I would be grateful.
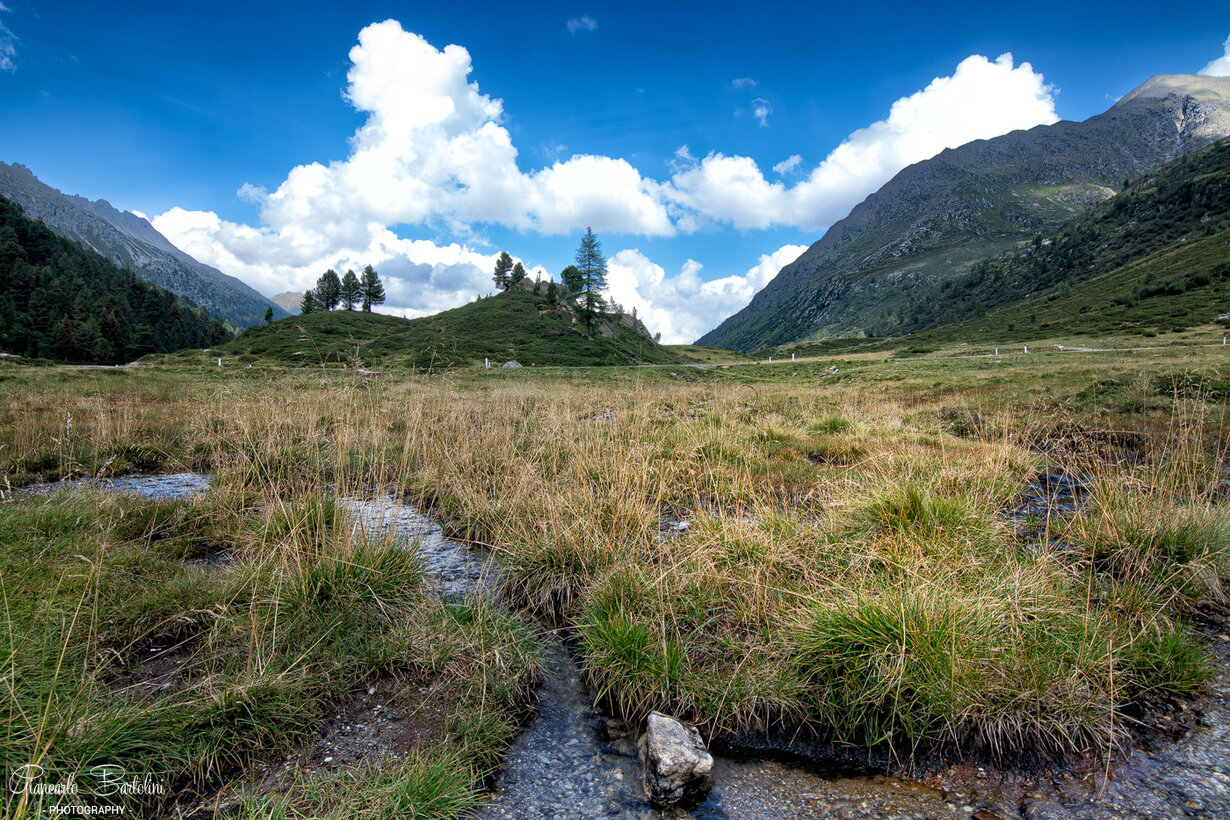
(1016, 562)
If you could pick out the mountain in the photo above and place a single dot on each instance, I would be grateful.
(937, 219)
(531, 325)
(1153, 259)
(62, 301)
(131, 242)
(288, 300)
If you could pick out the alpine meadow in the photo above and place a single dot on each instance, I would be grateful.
(536, 429)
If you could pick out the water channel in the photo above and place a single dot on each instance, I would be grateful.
(573, 762)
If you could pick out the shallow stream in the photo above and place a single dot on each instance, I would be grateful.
(572, 762)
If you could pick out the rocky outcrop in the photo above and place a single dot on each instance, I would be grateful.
(288, 300)
(676, 762)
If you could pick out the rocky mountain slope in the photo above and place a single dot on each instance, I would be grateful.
(59, 300)
(129, 241)
(938, 218)
(288, 300)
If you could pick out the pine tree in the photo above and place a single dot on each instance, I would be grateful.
(518, 274)
(350, 293)
(592, 266)
(371, 291)
(501, 276)
(571, 277)
(110, 328)
(268, 315)
(308, 305)
(65, 344)
(328, 290)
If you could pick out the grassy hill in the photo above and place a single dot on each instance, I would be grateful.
(709, 355)
(515, 325)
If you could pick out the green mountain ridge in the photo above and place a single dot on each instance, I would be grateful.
(517, 325)
(1153, 259)
(1156, 258)
(61, 301)
(937, 219)
(130, 241)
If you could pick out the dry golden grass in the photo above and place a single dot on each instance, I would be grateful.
(847, 562)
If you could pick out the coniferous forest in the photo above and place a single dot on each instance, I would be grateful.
(61, 301)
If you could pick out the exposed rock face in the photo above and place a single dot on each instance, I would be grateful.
(129, 241)
(288, 300)
(937, 218)
(511, 363)
(676, 762)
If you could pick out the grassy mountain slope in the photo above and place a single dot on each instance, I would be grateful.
(937, 219)
(709, 355)
(1172, 289)
(129, 241)
(516, 325)
(1154, 259)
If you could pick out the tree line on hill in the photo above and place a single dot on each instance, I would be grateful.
(61, 301)
(585, 280)
(333, 292)
(583, 284)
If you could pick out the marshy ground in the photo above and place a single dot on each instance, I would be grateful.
(858, 561)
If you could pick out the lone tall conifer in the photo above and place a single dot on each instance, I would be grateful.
(592, 266)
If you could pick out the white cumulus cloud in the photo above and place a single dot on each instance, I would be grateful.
(433, 154)
(982, 99)
(719, 188)
(420, 276)
(432, 151)
(684, 307)
(741, 83)
(1221, 66)
(585, 23)
(787, 165)
(8, 45)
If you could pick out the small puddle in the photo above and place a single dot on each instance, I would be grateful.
(1049, 496)
(455, 568)
(1053, 493)
(175, 486)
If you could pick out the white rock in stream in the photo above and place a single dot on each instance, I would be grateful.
(676, 762)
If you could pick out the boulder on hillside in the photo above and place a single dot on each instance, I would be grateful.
(511, 363)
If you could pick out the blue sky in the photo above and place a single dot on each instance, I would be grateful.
(273, 140)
